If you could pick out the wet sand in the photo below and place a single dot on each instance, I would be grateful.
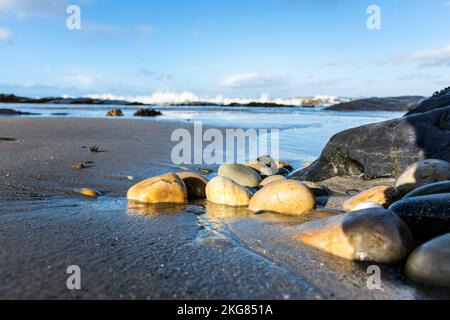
(196, 251)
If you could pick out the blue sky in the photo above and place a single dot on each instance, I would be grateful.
(235, 48)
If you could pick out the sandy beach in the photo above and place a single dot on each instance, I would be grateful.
(197, 251)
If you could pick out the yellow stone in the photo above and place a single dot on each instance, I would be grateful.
(283, 196)
(260, 168)
(89, 192)
(168, 188)
(383, 195)
(222, 190)
(271, 179)
(195, 184)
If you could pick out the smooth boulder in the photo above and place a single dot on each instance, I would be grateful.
(375, 235)
(195, 184)
(222, 190)
(283, 196)
(261, 168)
(427, 216)
(430, 263)
(429, 189)
(271, 179)
(383, 195)
(167, 188)
(423, 173)
(241, 174)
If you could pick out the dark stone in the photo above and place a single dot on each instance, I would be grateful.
(438, 100)
(383, 150)
(147, 113)
(379, 104)
(429, 189)
(11, 112)
(427, 216)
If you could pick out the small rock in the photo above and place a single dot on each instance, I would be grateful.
(283, 196)
(79, 165)
(195, 184)
(89, 192)
(316, 188)
(426, 216)
(367, 205)
(261, 169)
(422, 173)
(115, 113)
(222, 190)
(241, 174)
(271, 179)
(168, 188)
(383, 195)
(147, 113)
(430, 263)
(375, 235)
(284, 165)
(434, 188)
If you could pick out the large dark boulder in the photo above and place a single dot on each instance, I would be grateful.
(438, 100)
(405, 103)
(384, 149)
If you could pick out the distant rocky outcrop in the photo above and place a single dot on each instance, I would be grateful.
(11, 112)
(405, 103)
(147, 113)
(386, 149)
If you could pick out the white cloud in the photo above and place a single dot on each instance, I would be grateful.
(81, 80)
(252, 80)
(432, 58)
(5, 35)
(144, 30)
(27, 8)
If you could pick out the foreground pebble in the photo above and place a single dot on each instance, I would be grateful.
(375, 235)
(427, 216)
(430, 263)
(195, 184)
(283, 196)
(167, 188)
(222, 190)
(241, 174)
(88, 192)
(422, 173)
(433, 188)
(383, 195)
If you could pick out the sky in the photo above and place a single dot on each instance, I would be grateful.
(230, 48)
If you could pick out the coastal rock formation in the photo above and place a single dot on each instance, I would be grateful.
(430, 263)
(405, 103)
(147, 113)
(167, 188)
(422, 173)
(11, 112)
(271, 179)
(440, 99)
(115, 113)
(433, 188)
(284, 196)
(426, 216)
(382, 195)
(222, 190)
(195, 184)
(241, 174)
(375, 235)
(386, 149)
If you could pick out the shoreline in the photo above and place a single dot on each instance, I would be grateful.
(192, 252)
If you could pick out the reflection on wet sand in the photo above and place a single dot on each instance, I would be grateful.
(143, 210)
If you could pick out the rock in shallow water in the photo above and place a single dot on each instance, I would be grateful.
(430, 263)
(429, 189)
(283, 196)
(375, 235)
(195, 184)
(427, 216)
(222, 190)
(271, 179)
(383, 195)
(422, 173)
(241, 174)
(168, 188)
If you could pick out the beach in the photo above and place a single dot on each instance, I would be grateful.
(197, 251)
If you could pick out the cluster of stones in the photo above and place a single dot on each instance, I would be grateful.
(383, 224)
